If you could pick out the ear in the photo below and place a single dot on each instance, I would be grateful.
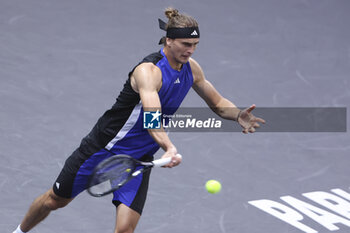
(169, 41)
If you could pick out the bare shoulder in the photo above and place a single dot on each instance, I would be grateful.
(197, 71)
(146, 74)
(147, 69)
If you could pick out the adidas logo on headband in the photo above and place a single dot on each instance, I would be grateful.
(194, 33)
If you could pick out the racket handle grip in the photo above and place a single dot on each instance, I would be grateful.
(164, 161)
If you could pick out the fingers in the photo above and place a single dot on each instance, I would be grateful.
(252, 130)
(175, 160)
(249, 130)
(248, 121)
(251, 108)
(172, 164)
(256, 125)
(260, 120)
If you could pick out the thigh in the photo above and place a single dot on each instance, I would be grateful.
(127, 219)
(134, 193)
(75, 174)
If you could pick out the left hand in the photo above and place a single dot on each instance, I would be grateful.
(248, 121)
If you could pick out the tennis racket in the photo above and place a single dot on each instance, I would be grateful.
(112, 173)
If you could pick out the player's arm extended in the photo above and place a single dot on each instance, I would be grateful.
(147, 81)
(220, 105)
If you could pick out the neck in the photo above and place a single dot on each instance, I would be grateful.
(173, 63)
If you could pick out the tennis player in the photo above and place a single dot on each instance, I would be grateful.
(160, 82)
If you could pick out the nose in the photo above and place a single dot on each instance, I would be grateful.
(191, 49)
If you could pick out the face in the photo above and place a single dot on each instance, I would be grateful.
(182, 49)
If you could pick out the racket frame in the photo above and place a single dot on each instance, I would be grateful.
(145, 166)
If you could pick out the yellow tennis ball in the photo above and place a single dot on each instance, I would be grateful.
(128, 170)
(213, 186)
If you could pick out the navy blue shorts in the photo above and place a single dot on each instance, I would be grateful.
(76, 171)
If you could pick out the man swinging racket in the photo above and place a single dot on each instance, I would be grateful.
(160, 81)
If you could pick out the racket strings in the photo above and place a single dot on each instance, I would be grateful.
(111, 174)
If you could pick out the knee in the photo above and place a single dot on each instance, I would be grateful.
(54, 202)
(124, 229)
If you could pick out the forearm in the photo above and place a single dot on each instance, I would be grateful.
(162, 139)
(159, 135)
(220, 105)
(164, 142)
(226, 109)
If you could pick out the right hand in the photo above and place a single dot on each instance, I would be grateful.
(175, 160)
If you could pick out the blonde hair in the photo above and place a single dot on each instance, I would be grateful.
(177, 20)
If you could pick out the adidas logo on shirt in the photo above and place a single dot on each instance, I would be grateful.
(177, 81)
(194, 33)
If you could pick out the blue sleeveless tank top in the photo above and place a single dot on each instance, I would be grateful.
(131, 138)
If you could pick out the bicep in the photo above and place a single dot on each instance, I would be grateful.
(148, 81)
